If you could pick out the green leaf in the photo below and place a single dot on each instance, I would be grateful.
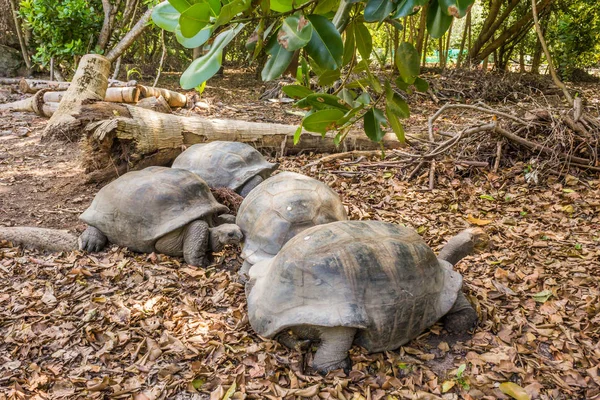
(487, 197)
(230, 391)
(378, 10)
(543, 296)
(349, 45)
(515, 391)
(180, 5)
(322, 120)
(203, 68)
(395, 103)
(297, 91)
(364, 41)
(437, 21)
(297, 135)
(325, 45)
(197, 40)
(328, 77)
(215, 6)
(230, 10)
(408, 7)
(194, 19)
(277, 63)
(325, 6)
(421, 85)
(165, 16)
(321, 100)
(295, 33)
(395, 124)
(463, 7)
(281, 5)
(373, 119)
(408, 62)
(198, 382)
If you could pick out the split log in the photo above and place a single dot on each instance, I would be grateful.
(139, 137)
(39, 238)
(40, 104)
(89, 85)
(174, 99)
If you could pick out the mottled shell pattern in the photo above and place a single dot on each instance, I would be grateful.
(280, 207)
(378, 277)
(140, 207)
(224, 164)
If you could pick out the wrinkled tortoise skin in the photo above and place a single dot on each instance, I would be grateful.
(378, 277)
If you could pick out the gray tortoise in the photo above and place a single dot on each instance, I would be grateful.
(237, 166)
(279, 208)
(372, 283)
(169, 211)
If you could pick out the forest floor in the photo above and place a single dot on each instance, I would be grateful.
(122, 325)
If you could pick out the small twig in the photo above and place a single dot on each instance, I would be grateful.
(337, 156)
(498, 156)
(432, 175)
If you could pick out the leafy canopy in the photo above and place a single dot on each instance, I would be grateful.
(331, 39)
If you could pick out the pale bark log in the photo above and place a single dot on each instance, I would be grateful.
(39, 238)
(89, 84)
(174, 99)
(145, 133)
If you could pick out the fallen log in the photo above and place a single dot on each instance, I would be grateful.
(139, 137)
(40, 104)
(39, 238)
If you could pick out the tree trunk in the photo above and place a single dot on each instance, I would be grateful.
(20, 35)
(128, 40)
(89, 84)
(421, 33)
(463, 40)
(139, 138)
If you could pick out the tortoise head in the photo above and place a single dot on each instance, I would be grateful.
(225, 234)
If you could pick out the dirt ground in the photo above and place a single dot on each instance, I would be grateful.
(122, 325)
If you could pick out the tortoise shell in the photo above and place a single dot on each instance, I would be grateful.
(280, 207)
(378, 277)
(224, 164)
(140, 207)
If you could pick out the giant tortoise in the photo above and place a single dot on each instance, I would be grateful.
(233, 165)
(279, 208)
(372, 283)
(170, 211)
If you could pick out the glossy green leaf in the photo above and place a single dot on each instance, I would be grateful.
(181, 5)
(395, 124)
(325, 45)
(278, 61)
(203, 68)
(364, 41)
(350, 114)
(364, 98)
(328, 100)
(297, 91)
(230, 10)
(408, 7)
(402, 85)
(437, 21)
(325, 6)
(395, 103)
(194, 19)
(281, 5)
(328, 77)
(408, 62)
(349, 45)
(463, 7)
(455, 8)
(297, 135)
(215, 6)
(372, 123)
(295, 33)
(197, 40)
(347, 95)
(322, 120)
(378, 10)
(165, 16)
(421, 85)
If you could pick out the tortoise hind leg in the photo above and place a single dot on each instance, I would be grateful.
(461, 317)
(92, 240)
(332, 353)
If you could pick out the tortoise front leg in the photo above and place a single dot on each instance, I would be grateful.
(461, 317)
(195, 243)
(92, 239)
(333, 351)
